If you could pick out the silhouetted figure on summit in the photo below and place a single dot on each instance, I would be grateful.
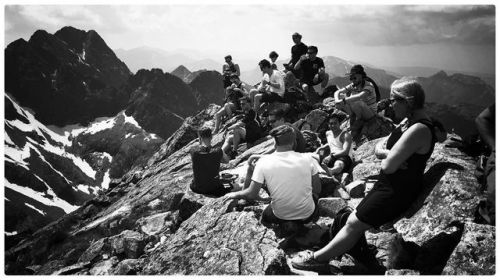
(229, 68)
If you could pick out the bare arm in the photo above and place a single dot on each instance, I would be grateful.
(337, 94)
(380, 151)
(413, 140)
(299, 63)
(346, 147)
(485, 125)
(316, 184)
(356, 97)
(251, 193)
(237, 67)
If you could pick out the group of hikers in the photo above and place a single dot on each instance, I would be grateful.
(290, 174)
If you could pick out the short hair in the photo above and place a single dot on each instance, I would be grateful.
(245, 98)
(264, 63)
(410, 89)
(283, 135)
(273, 54)
(278, 113)
(296, 34)
(337, 115)
(205, 132)
(313, 48)
(228, 56)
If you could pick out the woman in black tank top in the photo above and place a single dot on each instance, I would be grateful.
(405, 154)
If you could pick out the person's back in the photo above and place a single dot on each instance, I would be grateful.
(206, 163)
(288, 178)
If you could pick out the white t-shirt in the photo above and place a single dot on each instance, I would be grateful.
(276, 78)
(288, 178)
(334, 142)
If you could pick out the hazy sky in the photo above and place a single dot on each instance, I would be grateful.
(446, 37)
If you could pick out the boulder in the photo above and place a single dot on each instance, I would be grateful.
(475, 253)
(105, 267)
(128, 243)
(154, 224)
(128, 267)
(330, 206)
(217, 241)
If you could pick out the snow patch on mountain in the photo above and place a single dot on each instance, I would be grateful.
(40, 197)
(36, 209)
(108, 123)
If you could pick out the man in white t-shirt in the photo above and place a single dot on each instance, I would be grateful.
(272, 87)
(292, 181)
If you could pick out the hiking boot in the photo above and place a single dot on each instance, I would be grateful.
(306, 261)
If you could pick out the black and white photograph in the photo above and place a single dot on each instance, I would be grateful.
(195, 138)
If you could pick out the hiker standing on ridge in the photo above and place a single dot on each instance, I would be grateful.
(400, 181)
(313, 70)
(228, 69)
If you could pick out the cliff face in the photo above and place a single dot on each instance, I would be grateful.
(149, 222)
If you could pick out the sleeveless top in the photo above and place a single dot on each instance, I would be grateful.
(412, 177)
(334, 142)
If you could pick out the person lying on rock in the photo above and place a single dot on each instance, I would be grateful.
(247, 130)
(339, 146)
(271, 88)
(232, 101)
(292, 181)
(206, 162)
(400, 180)
(358, 100)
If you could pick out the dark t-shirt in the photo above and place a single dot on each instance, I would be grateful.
(206, 164)
(252, 127)
(310, 68)
(297, 52)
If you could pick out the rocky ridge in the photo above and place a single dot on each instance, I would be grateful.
(149, 222)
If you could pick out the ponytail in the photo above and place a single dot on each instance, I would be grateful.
(377, 92)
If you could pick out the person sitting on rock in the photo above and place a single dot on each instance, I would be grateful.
(400, 181)
(292, 181)
(298, 49)
(273, 56)
(232, 103)
(277, 118)
(313, 69)
(358, 100)
(247, 130)
(339, 143)
(272, 87)
(206, 162)
(229, 68)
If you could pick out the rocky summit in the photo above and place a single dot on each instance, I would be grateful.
(149, 222)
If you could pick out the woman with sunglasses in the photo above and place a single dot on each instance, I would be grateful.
(400, 181)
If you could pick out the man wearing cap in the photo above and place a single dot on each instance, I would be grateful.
(358, 99)
(291, 178)
(228, 69)
(313, 70)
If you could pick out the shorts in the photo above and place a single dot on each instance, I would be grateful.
(330, 161)
(217, 189)
(269, 217)
(384, 203)
(271, 97)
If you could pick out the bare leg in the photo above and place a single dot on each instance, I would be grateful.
(345, 239)
(324, 82)
(218, 117)
(228, 107)
(226, 147)
(256, 104)
(238, 135)
(338, 166)
(252, 94)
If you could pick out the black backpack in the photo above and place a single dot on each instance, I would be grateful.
(361, 247)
